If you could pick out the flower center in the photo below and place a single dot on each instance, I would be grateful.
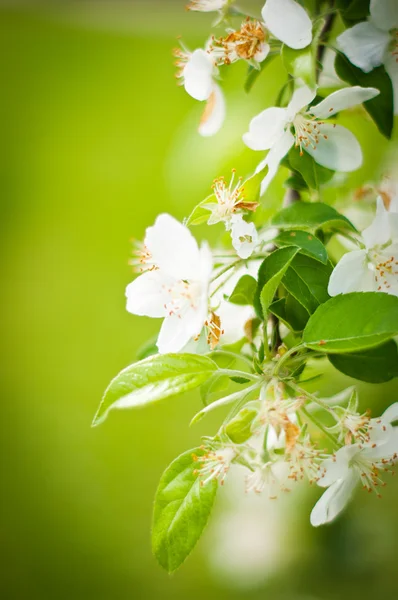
(141, 259)
(215, 464)
(307, 132)
(229, 197)
(247, 43)
(385, 270)
(183, 295)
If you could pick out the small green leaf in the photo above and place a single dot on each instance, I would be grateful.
(270, 274)
(353, 11)
(253, 73)
(200, 214)
(380, 108)
(307, 280)
(300, 64)
(307, 242)
(153, 379)
(352, 322)
(181, 511)
(313, 174)
(250, 188)
(239, 428)
(290, 312)
(311, 216)
(243, 293)
(375, 365)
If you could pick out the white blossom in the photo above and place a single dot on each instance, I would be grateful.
(197, 72)
(288, 22)
(374, 42)
(175, 284)
(247, 43)
(207, 5)
(332, 146)
(355, 464)
(374, 268)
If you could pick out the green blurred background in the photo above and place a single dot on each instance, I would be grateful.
(96, 140)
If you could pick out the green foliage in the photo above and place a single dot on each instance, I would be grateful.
(308, 244)
(153, 379)
(313, 174)
(200, 214)
(181, 511)
(253, 73)
(353, 11)
(238, 428)
(300, 64)
(375, 365)
(244, 291)
(353, 322)
(310, 216)
(307, 280)
(380, 108)
(270, 274)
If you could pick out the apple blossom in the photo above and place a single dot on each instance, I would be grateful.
(288, 22)
(208, 5)
(332, 146)
(374, 42)
(374, 268)
(248, 43)
(175, 286)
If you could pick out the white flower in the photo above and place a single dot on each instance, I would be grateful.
(375, 42)
(331, 145)
(376, 267)
(230, 201)
(175, 286)
(289, 22)
(354, 464)
(197, 71)
(215, 463)
(248, 43)
(207, 5)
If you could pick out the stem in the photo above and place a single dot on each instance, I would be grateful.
(323, 37)
(226, 269)
(284, 358)
(236, 373)
(321, 427)
(233, 355)
(313, 398)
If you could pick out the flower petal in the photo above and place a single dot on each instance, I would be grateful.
(333, 501)
(266, 129)
(301, 98)
(387, 450)
(262, 52)
(274, 157)
(378, 232)
(391, 413)
(244, 236)
(176, 331)
(214, 113)
(351, 274)
(147, 295)
(343, 99)
(364, 45)
(340, 151)
(337, 467)
(198, 75)
(384, 14)
(391, 66)
(289, 22)
(173, 248)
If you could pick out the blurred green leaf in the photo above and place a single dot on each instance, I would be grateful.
(253, 73)
(239, 427)
(300, 64)
(312, 216)
(380, 108)
(353, 322)
(270, 274)
(307, 242)
(244, 290)
(181, 511)
(200, 214)
(153, 379)
(375, 365)
(353, 11)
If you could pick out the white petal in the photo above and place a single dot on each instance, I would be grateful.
(391, 413)
(147, 295)
(333, 501)
(391, 66)
(378, 232)
(364, 45)
(262, 52)
(244, 236)
(174, 249)
(343, 99)
(266, 129)
(337, 467)
(301, 98)
(214, 113)
(206, 265)
(176, 331)
(387, 450)
(198, 75)
(341, 150)
(289, 22)
(274, 157)
(384, 14)
(351, 274)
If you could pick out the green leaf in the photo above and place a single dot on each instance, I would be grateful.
(352, 322)
(181, 511)
(375, 365)
(313, 174)
(307, 280)
(239, 427)
(353, 11)
(153, 379)
(290, 312)
(307, 242)
(253, 73)
(200, 214)
(270, 274)
(250, 188)
(244, 290)
(300, 64)
(311, 216)
(380, 108)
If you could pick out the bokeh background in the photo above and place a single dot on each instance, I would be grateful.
(96, 140)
